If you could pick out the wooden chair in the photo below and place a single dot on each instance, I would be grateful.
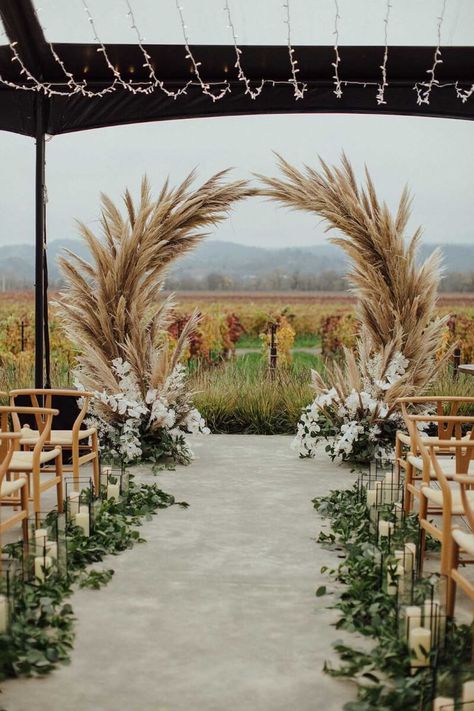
(32, 462)
(438, 498)
(406, 454)
(462, 540)
(12, 493)
(83, 444)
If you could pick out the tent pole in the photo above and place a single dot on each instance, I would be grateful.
(39, 242)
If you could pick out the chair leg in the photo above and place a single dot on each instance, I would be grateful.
(59, 485)
(24, 496)
(36, 494)
(75, 463)
(422, 516)
(95, 462)
(451, 583)
(408, 496)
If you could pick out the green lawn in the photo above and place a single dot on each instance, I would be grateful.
(240, 396)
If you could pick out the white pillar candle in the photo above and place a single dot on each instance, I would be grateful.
(42, 564)
(419, 642)
(385, 528)
(371, 497)
(52, 549)
(410, 550)
(3, 614)
(406, 559)
(74, 498)
(412, 618)
(113, 491)
(468, 696)
(41, 537)
(82, 520)
(443, 703)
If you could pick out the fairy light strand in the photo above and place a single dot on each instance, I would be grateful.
(253, 88)
(102, 48)
(253, 93)
(337, 61)
(75, 86)
(155, 80)
(205, 86)
(384, 83)
(299, 87)
(423, 90)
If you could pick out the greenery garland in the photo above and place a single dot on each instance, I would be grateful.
(41, 633)
(382, 674)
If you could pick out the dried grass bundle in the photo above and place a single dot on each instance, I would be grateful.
(396, 297)
(112, 306)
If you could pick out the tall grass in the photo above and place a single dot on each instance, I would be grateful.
(242, 397)
(446, 384)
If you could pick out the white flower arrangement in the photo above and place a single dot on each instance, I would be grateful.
(132, 427)
(358, 425)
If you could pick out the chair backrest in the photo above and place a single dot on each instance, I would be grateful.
(65, 401)
(8, 442)
(452, 402)
(45, 416)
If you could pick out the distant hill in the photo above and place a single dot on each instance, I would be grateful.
(241, 265)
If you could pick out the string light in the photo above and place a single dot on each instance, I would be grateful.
(338, 85)
(299, 92)
(381, 91)
(253, 93)
(219, 89)
(205, 86)
(156, 82)
(76, 87)
(423, 94)
(137, 89)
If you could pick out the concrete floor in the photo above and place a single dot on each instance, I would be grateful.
(217, 611)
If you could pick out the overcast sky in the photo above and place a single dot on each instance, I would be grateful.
(434, 156)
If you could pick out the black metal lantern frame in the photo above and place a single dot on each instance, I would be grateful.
(82, 505)
(422, 621)
(454, 689)
(380, 487)
(114, 483)
(12, 575)
(47, 546)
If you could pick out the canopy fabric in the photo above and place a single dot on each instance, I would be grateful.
(75, 112)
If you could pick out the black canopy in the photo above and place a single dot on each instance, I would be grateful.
(34, 113)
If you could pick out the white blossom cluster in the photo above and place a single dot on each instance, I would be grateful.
(124, 418)
(355, 424)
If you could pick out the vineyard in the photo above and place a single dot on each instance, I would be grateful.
(233, 394)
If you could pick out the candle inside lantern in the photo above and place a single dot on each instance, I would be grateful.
(385, 528)
(411, 548)
(113, 491)
(42, 564)
(74, 499)
(371, 497)
(443, 703)
(419, 642)
(412, 618)
(395, 580)
(468, 696)
(82, 520)
(41, 537)
(3, 614)
(52, 549)
(406, 559)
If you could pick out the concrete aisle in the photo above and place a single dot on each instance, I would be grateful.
(217, 611)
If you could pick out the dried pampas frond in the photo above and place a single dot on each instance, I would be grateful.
(112, 306)
(396, 297)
